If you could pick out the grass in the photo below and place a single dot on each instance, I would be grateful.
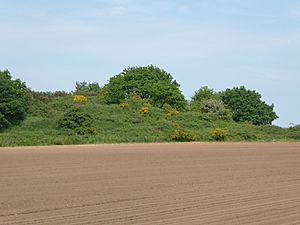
(114, 124)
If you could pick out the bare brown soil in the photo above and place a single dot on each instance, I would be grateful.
(203, 183)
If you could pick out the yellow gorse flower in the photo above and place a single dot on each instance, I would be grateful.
(79, 99)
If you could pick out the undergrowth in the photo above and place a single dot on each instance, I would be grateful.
(126, 123)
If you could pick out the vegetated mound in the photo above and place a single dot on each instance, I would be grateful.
(141, 104)
(50, 121)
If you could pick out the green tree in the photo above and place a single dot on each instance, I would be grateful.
(203, 94)
(247, 106)
(148, 82)
(14, 100)
(85, 87)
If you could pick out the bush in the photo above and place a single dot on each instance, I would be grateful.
(78, 121)
(203, 94)
(215, 110)
(169, 110)
(123, 105)
(3, 122)
(14, 100)
(144, 110)
(149, 82)
(182, 135)
(246, 105)
(79, 99)
(219, 134)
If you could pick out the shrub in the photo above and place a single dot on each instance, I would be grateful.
(3, 122)
(219, 134)
(79, 99)
(246, 105)
(215, 110)
(148, 82)
(169, 110)
(203, 94)
(144, 110)
(124, 105)
(78, 121)
(182, 135)
(14, 100)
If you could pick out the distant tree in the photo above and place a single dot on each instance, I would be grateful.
(14, 100)
(247, 106)
(85, 87)
(148, 82)
(203, 94)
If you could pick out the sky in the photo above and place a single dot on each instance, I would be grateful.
(216, 43)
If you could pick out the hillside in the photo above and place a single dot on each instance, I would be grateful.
(127, 123)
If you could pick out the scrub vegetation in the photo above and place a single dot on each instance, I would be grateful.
(141, 104)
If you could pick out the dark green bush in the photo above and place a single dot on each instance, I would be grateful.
(14, 100)
(247, 106)
(150, 82)
(78, 121)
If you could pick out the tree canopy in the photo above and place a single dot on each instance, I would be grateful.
(203, 94)
(14, 100)
(148, 82)
(85, 87)
(247, 106)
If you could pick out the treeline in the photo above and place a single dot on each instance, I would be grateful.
(151, 84)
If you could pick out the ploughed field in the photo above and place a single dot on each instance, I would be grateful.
(196, 183)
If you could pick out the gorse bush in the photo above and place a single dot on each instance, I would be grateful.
(169, 110)
(219, 134)
(78, 121)
(124, 105)
(181, 134)
(144, 110)
(79, 99)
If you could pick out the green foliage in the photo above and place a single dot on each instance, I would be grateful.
(247, 106)
(77, 120)
(54, 118)
(219, 134)
(169, 110)
(85, 87)
(203, 94)
(3, 122)
(14, 100)
(124, 105)
(149, 83)
(144, 110)
(215, 110)
(181, 134)
(112, 124)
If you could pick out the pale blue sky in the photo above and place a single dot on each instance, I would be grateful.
(216, 43)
